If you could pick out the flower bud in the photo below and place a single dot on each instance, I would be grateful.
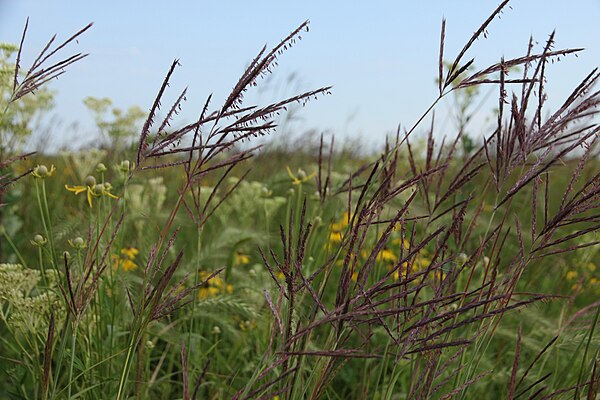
(78, 243)
(125, 166)
(101, 168)
(98, 189)
(90, 181)
(301, 174)
(38, 240)
(41, 171)
(265, 192)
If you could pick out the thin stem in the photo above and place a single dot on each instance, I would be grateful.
(127, 366)
(50, 233)
(14, 248)
(73, 340)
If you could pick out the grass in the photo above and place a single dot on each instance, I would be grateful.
(198, 266)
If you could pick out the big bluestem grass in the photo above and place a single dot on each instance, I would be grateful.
(424, 272)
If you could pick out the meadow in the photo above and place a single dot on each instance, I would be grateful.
(191, 263)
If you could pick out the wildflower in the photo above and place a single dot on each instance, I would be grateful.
(247, 325)
(300, 177)
(126, 260)
(77, 243)
(265, 192)
(16, 280)
(591, 267)
(128, 265)
(29, 304)
(280, 275)
(386, 255)
(399, 272)
(130, 252)
(92, 189)
(341, 224)
(213, 287)
(439, 275)
(41, 171)
(125, 166)
(462, 258)
(571, 275)
(335, 237)
(422, 262)
(38, 241)
(101, 168)
(216, 330)
(402, 242)
(241, 259)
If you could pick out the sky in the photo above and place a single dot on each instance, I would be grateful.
(379, 56)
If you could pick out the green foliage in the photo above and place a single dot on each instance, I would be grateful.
(117, 125)
(411, 274)
(17, 121)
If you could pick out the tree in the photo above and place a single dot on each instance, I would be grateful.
(23, 97)
(119, 129)
(17, 117)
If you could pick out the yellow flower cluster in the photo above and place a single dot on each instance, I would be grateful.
(213, 287)
(389, 255)
(241, 259)
(592, 282)
(126, 259)
(337, 229)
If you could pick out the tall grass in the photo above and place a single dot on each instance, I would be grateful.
(424, 272)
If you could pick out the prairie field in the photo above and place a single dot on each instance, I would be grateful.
(201, 261)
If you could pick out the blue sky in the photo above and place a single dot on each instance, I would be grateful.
(380, 56)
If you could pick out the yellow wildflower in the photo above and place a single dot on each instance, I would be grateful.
(439, 275)
(213, 287)
(126, 260)
(386, 255)
(399, 272)
(422, 262)
(337, 228)
(571, 275)
(130, 252)
(92, 189)
(241, 259)
(335, 237)
(300, 177)
(128, 265)
(591, 267)
(41, 171)
(247, 325)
